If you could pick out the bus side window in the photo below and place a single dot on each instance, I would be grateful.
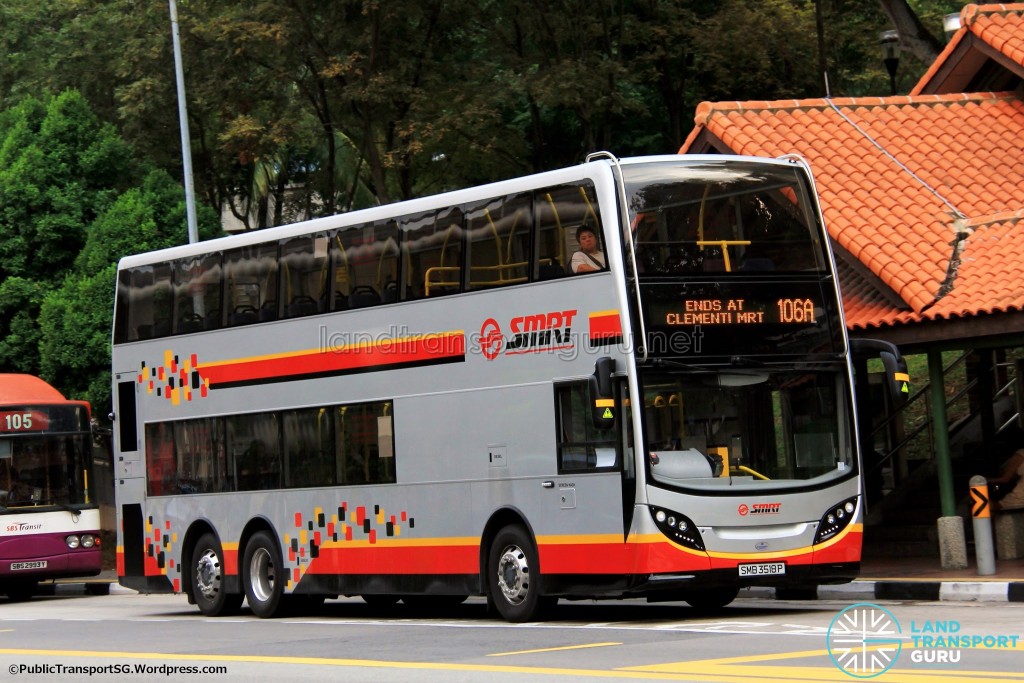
(145, 303)
(432, 243)
(250, 284)
(197, 293)
(160, 459)
(560, 211)
(304, 273)
(365, 443)
(581, 446)
(308, 452)
(254, 451)
(498, 245)
(366, 261)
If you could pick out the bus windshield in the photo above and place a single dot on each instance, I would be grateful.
(731, 262)
(38, 467)
(721, 218)
(756, 428)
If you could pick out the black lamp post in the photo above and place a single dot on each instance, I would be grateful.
(890, 42)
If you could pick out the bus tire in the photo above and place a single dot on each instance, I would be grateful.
(381, 599)
(208, 579)
(21, 590)
(712, 598)
(263, 575)
(513, 575)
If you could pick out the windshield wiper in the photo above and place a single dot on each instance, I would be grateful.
(64, 506)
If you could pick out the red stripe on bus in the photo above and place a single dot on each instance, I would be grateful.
(357, 357)
(604, 325)
(558, 558)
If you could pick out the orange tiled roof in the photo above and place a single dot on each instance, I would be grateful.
(996, 25)
(925, 191)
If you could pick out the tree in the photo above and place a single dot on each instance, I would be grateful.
(59, 168)
(75, 318)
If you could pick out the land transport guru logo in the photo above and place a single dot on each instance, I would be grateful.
(536, 333)
(865, 640)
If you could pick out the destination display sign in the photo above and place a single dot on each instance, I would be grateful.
(32, 419)
(705, 319)
(23, 421)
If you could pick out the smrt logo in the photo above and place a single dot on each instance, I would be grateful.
(759, 509)
(549, 331)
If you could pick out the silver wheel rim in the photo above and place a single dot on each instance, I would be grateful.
(208, 576)
(261, 574)
(514, 575)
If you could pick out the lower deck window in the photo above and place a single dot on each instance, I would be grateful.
(322, 446)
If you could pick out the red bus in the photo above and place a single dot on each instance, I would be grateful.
(48, 510)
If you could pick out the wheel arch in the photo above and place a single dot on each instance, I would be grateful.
(501, 518)
(196, 530)
(252, 527)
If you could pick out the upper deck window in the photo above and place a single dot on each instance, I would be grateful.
(718, 218)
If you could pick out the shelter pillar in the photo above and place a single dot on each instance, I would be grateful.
(952, 540)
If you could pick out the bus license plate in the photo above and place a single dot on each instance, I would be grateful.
(763, 569)
(39, 564)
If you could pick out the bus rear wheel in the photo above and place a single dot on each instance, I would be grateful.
(513, 575)
(208, 579)
(263, 575)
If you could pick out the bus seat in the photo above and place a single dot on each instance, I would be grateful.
(550, 271)
(212, 321)
(268, 311)
(243, 315)
(302, 305)
(390, 293)
(340, 301)
(363, 295)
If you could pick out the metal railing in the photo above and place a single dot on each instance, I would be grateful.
(915, 415)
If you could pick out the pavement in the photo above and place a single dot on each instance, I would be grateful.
(904, 578)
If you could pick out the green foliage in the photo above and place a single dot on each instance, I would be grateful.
(310, 108)
(59, 168)
(20, 300)
(75, 320)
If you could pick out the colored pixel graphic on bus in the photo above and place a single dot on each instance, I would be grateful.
(347, 524)
(175, 380)
(160, 543)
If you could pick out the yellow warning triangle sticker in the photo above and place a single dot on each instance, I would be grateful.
(607, 414)
(905, 389)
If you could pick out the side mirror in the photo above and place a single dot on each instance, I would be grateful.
(603, 409)
(897, 378)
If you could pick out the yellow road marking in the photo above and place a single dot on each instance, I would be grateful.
(738, 668)
(725, 670)
(552, 649)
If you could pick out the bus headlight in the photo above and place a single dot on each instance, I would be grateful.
(88, 540)
(677, 527)
(835, 520)
(72, 541)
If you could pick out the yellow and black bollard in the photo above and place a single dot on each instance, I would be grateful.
(981, 512)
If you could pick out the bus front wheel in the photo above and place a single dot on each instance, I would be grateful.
(712, 598)
(513, 575)
(263, 575)
(20, 591)
(208, 579)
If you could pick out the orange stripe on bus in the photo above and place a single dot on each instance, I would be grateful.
(436, 347)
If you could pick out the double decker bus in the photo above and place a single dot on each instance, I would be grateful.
(423, 402)
(48, 510)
